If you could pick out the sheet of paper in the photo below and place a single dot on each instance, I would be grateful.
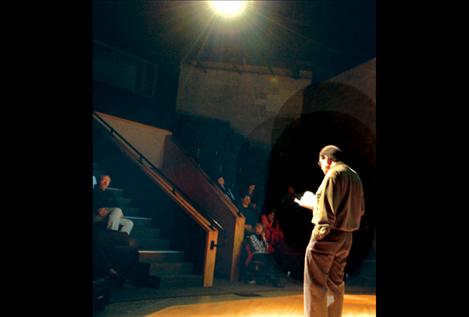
(308, 200)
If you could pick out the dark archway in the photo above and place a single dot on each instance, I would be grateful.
(322, 114)
(293, 162)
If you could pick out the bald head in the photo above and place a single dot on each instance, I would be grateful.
(331, 151)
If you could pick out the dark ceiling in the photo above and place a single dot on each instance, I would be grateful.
(326, 37)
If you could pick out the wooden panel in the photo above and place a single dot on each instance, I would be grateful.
(146, 139)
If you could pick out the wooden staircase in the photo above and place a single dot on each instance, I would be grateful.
(166, 264)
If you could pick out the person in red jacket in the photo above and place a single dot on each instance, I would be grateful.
(272, 230)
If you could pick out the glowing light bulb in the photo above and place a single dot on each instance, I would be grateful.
(228, 9)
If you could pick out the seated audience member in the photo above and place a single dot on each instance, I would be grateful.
(285, 257)
(257, 262)
(226, 190)
(114, 256)
(287, 206)
(272, 230)
(251, 215)
(105, 208)
(288, 199)
(102, 267)
(291, 218)
(251, 192)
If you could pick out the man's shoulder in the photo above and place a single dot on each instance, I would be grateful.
(341, 169)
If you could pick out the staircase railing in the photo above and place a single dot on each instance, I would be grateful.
(213, 182)
(221, 206)
(200, 216)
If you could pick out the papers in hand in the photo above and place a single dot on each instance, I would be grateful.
(308, 200)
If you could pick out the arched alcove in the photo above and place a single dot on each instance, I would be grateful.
(293, 161)
(322, 114)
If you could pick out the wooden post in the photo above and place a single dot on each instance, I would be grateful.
(209, 260)
(237, 247)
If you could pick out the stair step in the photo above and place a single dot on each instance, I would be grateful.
(180, 280)
(154, 256)
(153, 244)
(116, 191)
(172, 268)
(130, 211)
(98, 166)
(140, 221)
(123, 201)
(145, 233)
(98, 173)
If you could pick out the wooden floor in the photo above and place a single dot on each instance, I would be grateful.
(281, 306)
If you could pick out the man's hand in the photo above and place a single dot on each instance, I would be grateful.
(103, 212)
(319, 232)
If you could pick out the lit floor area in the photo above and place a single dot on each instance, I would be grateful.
(234, 299)
(228, 298)
(279, 306)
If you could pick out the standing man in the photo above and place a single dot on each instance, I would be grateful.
(337, 210)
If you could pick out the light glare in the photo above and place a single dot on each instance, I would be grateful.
(228, 9)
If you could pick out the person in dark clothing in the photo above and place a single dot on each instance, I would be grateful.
(114, 256)
(256, 201)
(291, 218)
(287, 202)
(102, 266)
(226, 190)
(105, 208)
(252, 217)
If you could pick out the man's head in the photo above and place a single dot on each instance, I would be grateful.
(328, 156)
(246, 200)
(251, 188)
(221, 181)
(104, 182)
(259, 228)
(271, 215)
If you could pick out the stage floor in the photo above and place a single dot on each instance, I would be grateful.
(227, 298)
(278, 306)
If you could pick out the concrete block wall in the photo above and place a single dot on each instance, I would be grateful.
(252, 102)
(246, 98)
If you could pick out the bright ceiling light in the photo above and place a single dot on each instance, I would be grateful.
(228, 9)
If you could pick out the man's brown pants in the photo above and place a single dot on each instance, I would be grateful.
(324, 274)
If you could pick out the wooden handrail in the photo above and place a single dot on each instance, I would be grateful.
(231, 206)
(186, 173)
